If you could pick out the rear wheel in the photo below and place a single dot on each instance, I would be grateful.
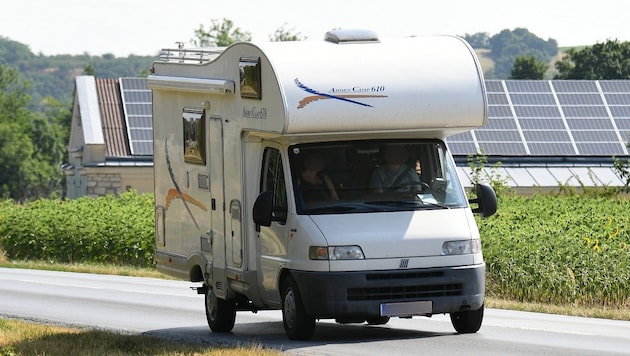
(467, 322)
(220, 313)
(298, 325)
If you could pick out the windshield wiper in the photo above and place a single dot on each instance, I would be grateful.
(339, 208)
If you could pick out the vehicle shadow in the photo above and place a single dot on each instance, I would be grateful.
(271, 335)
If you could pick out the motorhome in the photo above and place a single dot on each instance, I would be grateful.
(312, 177)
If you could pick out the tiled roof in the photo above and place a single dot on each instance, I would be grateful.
(113, 118)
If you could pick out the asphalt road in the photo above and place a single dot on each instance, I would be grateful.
(170, 309)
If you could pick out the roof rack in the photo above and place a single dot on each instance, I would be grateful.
(182, 55)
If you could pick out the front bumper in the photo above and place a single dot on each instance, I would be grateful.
(359, 295)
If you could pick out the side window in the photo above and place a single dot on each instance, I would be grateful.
(273, 181)
(194, 136)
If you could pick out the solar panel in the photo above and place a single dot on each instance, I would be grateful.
(542, 124)
(527, 86)
(500, 123)
(533, 99)
(537, 111)
(496, 86)
(462, 148)
(137, 107)
(600, 148)
(595, 136)
(615, 86)
(498, 136)
(620, 111)
(497, 99)
(585, 111)
(461, 137)
(551, 149)
(503, 148)
(499, 111)
(618, 99)
(575, 86)
(580, 99)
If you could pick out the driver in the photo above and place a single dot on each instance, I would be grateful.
(395, 175)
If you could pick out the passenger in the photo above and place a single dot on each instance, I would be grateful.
(314, 184)
(395, 175)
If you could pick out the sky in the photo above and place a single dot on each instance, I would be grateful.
(143, 27)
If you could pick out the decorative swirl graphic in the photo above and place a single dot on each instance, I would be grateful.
(321, 95)
(177, 192)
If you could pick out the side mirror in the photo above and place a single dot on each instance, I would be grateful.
(486, 201)
(263, 209)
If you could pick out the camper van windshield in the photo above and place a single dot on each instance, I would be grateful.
(367, 176)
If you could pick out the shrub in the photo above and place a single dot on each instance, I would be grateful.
(116, 230)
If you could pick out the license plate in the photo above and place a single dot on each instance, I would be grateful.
(407, 308)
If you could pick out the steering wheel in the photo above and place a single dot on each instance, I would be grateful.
(410, 188)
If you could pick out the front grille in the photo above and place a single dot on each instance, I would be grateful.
(398, 286)
(405, 292)
(403, 275)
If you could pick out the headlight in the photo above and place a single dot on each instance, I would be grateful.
(461, 247)
(335, 253)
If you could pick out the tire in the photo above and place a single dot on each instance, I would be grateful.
(220, 313)
(379, 320)
(467, 322)
(297, 324)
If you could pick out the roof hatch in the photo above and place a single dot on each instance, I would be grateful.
(351, 36)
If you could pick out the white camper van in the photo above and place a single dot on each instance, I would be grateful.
(312, 177)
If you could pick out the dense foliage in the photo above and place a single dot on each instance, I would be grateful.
(607, 60)
(32, 144)
(528, 68)
(571, 249)
(105, 230)
(559, 249)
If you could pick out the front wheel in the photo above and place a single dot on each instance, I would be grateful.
(220, 313)
(298, 325)
(378, 320)
(467, 322)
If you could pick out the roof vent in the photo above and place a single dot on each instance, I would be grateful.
(351, 36)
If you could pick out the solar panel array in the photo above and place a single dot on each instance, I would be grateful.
(525, 118)
(551, 118)
(137, 106)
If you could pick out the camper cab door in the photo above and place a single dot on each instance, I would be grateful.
(272, 241)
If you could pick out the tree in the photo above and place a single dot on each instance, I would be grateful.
(507, 45)
(220, 34)
(283, 34)
(13, 52)
(31, 143)
(608, 60)
(478, 40)
(528, 68)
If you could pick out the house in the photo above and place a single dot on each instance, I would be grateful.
(111, 142)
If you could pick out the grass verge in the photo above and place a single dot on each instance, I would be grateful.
(24, 338)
